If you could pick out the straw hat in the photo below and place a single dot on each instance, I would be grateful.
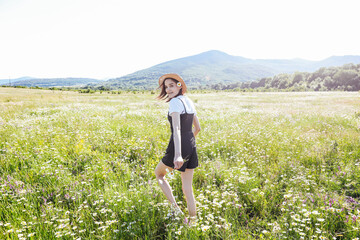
(173, 76)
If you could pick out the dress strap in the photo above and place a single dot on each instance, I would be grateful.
(183, 105)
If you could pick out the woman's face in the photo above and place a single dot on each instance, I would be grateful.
(171, 88)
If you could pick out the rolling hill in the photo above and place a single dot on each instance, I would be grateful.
(8, 81)
(214, 67)
(53, 82)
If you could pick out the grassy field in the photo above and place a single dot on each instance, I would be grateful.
(272, 166)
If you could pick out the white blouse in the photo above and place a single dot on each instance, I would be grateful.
(175, 105)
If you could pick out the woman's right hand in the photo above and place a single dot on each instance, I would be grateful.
(178, 162)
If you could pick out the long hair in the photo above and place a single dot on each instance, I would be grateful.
(163, 95)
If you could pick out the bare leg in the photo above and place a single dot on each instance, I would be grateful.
(160, 172)
(187, 178)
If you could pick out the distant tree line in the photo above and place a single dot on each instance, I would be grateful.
(344, 78)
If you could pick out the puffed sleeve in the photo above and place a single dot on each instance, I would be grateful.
(175, 105)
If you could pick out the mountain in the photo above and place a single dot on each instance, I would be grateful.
(53, 82)
(214, 67)
(335, 61)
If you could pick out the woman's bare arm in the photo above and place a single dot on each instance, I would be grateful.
(196, 128)
(178, 161)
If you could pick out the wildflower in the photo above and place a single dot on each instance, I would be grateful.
(276, 227)
(205, 228)
(321, 219)
(307, 214)
(171, 174)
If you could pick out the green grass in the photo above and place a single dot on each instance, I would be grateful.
(272, 166)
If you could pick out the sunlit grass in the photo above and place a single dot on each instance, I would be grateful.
(272, 166)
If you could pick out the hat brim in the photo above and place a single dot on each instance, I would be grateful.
(173, 76)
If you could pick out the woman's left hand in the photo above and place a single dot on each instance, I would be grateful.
(178, 162)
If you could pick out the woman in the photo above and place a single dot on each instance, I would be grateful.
(181, 152)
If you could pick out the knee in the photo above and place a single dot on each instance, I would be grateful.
(158, 174)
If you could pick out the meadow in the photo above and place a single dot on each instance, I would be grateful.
(272, 166)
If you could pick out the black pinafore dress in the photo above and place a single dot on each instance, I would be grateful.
(188, 144)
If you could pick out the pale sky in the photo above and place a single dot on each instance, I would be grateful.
(108, 38)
